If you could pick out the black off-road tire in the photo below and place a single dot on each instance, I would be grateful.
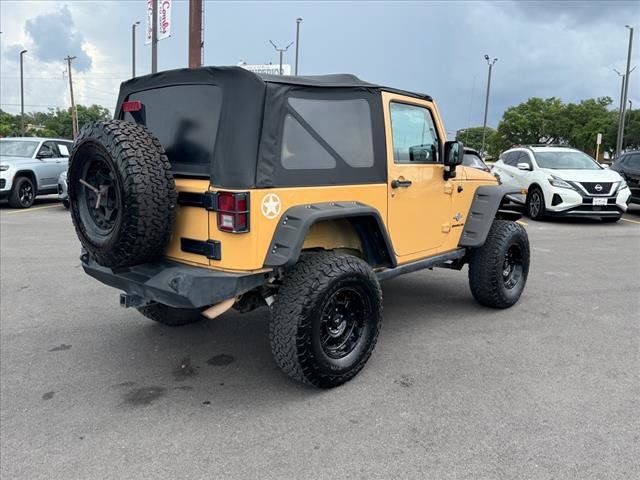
(65, 204)
(535, 211)
(296, 317)
(143, 188)
(487, 280)
(16, 198)
(173, 317)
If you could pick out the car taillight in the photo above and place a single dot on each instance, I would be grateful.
(233, 211)
(132, 106)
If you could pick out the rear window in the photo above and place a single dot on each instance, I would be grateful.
(185, 119)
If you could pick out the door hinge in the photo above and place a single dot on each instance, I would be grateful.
(206, 200)
(211, 249)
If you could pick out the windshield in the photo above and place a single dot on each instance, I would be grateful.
(566, 160)
(472, 160)
(633, 162)
(17, 148)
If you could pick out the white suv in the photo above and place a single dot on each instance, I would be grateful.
(562, 181)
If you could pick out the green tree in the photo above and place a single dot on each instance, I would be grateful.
(534, 121)
(472, 137)
(52, 123)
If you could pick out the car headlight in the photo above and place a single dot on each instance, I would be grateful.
(623, 185)
(4, 167)
(558, 182)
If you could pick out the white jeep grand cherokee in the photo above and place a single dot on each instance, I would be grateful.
(562, 181)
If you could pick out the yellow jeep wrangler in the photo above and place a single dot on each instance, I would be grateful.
(216, 188)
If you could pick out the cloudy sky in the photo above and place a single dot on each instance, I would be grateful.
(565, 49)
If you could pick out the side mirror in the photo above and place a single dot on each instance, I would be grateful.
(524, 166)
(453, 154)
(45, 154)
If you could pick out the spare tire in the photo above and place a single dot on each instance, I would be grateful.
(122, 193)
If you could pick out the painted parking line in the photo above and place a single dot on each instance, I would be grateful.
(522, 223)
(629, 220)
(33, 209)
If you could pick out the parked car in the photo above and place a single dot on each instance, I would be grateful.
(63, 196)
(556, 180)
(473, 159)
(307, 214)
(31, 166)
(628, 165)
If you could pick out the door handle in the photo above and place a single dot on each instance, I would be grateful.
(400, 183)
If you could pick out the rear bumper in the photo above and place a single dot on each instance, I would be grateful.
(174, 284)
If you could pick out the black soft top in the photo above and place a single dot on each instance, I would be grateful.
(249, 129)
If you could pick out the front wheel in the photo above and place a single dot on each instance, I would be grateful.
(535, 204)
(326, 318)
(23, 193)
(498, 270)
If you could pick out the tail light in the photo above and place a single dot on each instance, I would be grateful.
(233, 211)
(132, 106)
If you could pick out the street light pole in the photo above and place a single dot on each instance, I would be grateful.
(298, 21)
(491, 63)
(133, 49)
(22, 92)
(281, 51)
(625, 91)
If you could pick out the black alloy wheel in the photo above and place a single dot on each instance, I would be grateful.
(512, 267)
(100, 199)
(23, 193)
(342, 321)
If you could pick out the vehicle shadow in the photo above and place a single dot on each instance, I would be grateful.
(227, 361)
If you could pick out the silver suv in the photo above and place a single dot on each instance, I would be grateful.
(31, 166)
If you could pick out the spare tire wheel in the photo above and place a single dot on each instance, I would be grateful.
(122, 193)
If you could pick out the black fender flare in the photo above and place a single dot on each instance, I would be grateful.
(485, 207)
(294, 224)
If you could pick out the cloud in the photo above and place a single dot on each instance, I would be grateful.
(54, 37)
(574, 13)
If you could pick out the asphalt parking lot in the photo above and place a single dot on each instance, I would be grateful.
(547, 389)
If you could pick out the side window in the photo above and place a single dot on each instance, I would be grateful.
(523, 157)
(64, 149)
(413, 133)
(509, 157)
(48, 149)
(318, 133)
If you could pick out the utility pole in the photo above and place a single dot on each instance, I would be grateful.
(298, 21)
(625, 91)
(22, 92)
(154, 36)
(281, 51)
(196, 40)
(491, 63)
(74, 114)
(133, 49)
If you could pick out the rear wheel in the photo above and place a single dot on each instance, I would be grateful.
(23, 193)
(535, 204)
(326, 318)
(498, 270)
(173, 317)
